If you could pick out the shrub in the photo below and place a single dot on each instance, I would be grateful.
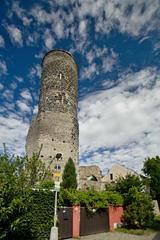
(139, 213)
(90, 199)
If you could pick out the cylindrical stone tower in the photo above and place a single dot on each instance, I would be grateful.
(56, 126)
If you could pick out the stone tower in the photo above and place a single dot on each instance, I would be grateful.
(56, 126)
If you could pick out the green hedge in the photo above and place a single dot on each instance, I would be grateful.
(40, 214)
(37, 219)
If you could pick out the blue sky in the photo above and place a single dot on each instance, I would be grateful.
(117, 48)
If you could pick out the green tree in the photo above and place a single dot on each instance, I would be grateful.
(138, 204)
(17, 176)
(124, 184)
(35, 172)
(152, 171)
(139, 213)
(13, 198)
(69, 177)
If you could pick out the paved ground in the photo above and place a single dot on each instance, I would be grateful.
(121, 236)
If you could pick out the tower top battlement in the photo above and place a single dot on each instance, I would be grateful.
(60, 52)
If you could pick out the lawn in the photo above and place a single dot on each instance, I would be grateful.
(154, 227)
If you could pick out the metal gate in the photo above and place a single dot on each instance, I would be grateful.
(65, 219)
(95, 222)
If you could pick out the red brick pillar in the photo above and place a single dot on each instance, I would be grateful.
(115, 216)
(76, 221)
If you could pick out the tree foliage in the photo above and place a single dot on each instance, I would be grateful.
(152, 170)
(124, 184)
(69, 177)
(90, 199)
(17, 176)
(139, 213)
(138, 204)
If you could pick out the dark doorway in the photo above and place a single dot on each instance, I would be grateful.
(93, 222)
(65, 219)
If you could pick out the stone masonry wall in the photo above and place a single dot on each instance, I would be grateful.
(56, 124)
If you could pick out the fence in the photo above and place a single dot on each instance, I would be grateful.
(77, 221)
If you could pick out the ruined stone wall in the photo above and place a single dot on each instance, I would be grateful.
(56, 124)
(90, 177)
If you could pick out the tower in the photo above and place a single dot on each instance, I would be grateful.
(55, 127)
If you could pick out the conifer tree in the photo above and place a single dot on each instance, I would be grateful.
(69, 177)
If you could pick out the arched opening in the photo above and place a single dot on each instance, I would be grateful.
(92, 178)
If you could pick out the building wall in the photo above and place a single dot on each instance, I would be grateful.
(115, 172)
(55, 127)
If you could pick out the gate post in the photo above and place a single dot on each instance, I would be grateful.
(115, 216)
(76, 221)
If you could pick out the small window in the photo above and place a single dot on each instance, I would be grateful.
(42, 156)
(52, 139)
(63, 141)
(58, 156)
(111, 176)
(57, 167)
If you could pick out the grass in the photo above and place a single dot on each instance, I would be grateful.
(154, 227)
(135, 231)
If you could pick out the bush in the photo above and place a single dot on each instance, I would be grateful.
(139, 213)
(124, 184)
(17, 176)
(89, 199)
(40, 214)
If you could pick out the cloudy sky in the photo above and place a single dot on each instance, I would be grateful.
(117, 48)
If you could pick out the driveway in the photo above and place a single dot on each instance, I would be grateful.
(121, 236)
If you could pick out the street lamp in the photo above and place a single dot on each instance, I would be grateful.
(54, 229)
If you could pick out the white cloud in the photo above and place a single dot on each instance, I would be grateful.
(19, 79)
(132, 16)
(87, 72)
(59, 29)
(41, 15)
(33, 38)
(107, 57)
(97, 52)
(23, 106)
(49, 39)
(2, 43)
(13, 85)
(82, 27)
(35, 109)
(35, 71)
(21, 13)
(157, 48)
(1, 86)
(3, 68)
(109, 61)
(13, 133)
(15, 35)
(122, 121)
(8, 94)
(25, 94)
